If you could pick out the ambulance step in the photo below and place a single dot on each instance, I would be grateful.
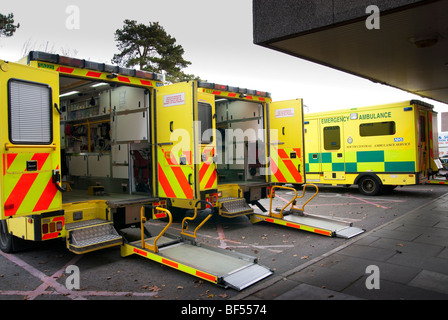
(91, 235)
(241, 279)
(233, 207)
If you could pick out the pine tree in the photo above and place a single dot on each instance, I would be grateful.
(150, 48)
(7, 26)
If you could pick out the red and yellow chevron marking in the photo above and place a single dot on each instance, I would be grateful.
(284, 169)
(173, 178)
(28, 192)
(207, 173)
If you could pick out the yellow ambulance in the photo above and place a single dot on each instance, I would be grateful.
(377, 148)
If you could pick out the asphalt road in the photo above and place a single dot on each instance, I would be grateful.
(40, 272)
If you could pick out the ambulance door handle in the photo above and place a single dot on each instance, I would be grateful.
(171, 126)
(189, 179)
(57, 109)
(283, 130)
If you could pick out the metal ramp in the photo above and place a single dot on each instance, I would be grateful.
(296, 218)
(320, 225)
(222, 267)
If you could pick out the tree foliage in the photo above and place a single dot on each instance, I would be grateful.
(150, 48)
(7, 26)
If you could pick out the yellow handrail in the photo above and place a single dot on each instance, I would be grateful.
(303, 194)
(280, 215)
(185, 224)
(153, 247)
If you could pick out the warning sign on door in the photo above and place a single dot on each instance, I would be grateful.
(176, 99)
(284, 113)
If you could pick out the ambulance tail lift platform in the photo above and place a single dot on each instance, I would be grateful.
(294, 217)
(184, 253)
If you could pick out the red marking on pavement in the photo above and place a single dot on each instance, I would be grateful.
(60, 289)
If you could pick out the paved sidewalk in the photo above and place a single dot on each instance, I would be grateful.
(410, 253)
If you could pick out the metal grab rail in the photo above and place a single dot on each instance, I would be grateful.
(153, 247)
(293, 201)
(185, 220)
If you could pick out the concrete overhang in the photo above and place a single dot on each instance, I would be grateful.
(409, 51)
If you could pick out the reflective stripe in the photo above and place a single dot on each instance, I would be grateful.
(277, 173)
(173, 178)
(46, 197)
(285, 168)
(123, 79)
(65, 70)
(18, 194)
(281, 222)
(206, 276)
(93, 74)
(170, 263)
(28, 191)
(176, 265)
(165, 184)
(208, 176)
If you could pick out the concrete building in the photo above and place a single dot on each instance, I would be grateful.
(401, 43)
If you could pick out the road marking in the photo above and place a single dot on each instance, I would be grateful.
(50, 281)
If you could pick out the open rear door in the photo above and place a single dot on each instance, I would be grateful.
(176, 171)
(30, 141)
(286, 138)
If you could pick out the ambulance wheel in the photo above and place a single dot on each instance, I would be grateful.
(369, 186)
(6, 239)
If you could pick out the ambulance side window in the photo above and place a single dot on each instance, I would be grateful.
(205, 119)
(30, 112)
(377, 129)
(332, 138)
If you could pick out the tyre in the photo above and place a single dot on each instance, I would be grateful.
(369, 186)
(6, 239)
(10, 243)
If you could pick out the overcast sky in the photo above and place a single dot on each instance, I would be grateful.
(216, 36)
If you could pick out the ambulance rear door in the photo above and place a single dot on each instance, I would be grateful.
(287, 142)
(30, 141)
(176, 140)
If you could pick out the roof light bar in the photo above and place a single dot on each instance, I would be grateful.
(221, 87)
(110, 69)
(43, 56)
(94, 66)
(126, 71)
(85, 64)
(209, 85)
(159, 77)
(73, 62)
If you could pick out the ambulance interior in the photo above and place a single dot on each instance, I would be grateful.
(104, 139)
(240, 141)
